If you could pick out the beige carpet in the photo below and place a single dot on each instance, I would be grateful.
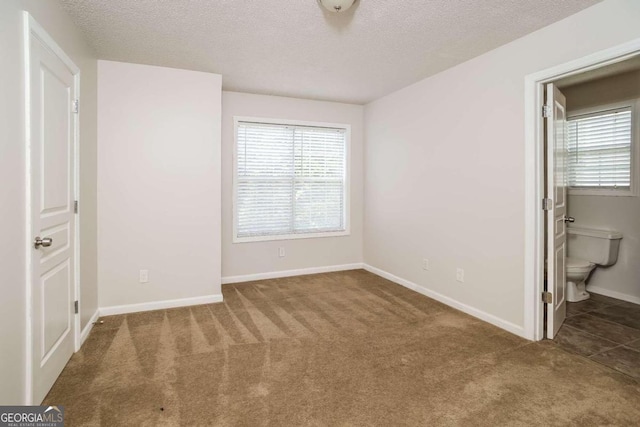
(346, 349)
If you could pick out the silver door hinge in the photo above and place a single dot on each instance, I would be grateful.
(75, 306)
(546, 111)
(547, 297)
(76, 106)
(546, 204)
(75, 206)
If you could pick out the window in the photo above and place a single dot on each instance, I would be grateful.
(600, 152)
(290, 180)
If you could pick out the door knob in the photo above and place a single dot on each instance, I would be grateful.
(44, 242)
(569, 219)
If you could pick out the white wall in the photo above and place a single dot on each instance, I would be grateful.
(241, 259)
(621, 280)
(158, 183)
(444, 165)
(13, 251)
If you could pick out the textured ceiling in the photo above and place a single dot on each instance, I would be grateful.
(296, 48)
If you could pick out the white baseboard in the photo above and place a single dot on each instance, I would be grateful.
(613, 294)
(87, 328)
(159, 305)
(289, 273)
(490, 318)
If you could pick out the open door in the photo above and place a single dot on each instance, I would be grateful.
(556, 252)
(52, 84)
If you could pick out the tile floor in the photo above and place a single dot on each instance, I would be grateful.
(605, 330)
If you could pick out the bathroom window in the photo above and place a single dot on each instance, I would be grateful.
(601, 151)
(290, 180)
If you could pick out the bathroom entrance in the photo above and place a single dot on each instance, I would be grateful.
(591, 198)
(582, 181)
(599, 173)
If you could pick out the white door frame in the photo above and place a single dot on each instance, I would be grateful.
(534, 174)
(31, 29)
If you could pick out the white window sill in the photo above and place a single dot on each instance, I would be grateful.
(604, 192)
(291, 236)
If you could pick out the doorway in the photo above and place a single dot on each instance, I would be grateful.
(538, 303)
(51, 127)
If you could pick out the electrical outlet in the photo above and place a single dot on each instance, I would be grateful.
(144, 276)
(281, 252)
(425, 264)
(459, 274)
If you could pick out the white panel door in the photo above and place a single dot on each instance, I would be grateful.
(52, 172)
(556, 152)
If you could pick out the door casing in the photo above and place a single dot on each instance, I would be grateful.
(534, 173)
(31, 29)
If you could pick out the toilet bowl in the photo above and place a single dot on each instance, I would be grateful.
(578, 271)
(588, 248)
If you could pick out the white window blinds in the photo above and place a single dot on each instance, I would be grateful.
(600, 150)
(289, 179)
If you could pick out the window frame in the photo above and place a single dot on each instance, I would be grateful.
(633, 105)
(347, 180)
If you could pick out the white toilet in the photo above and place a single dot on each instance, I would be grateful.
(588, 248)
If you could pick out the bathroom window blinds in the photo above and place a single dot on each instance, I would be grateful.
(599, 148)
(290, 180)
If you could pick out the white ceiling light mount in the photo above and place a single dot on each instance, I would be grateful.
(336, 5)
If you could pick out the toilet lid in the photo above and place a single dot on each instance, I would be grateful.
(577, 263)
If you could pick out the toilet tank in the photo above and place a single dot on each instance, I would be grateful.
(596, 246)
